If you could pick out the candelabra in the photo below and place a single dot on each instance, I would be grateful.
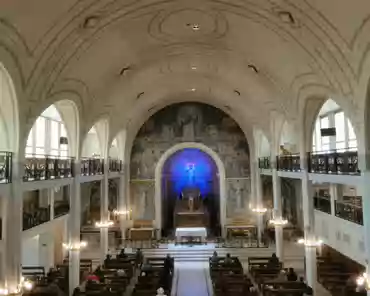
(259, 210)
(104, 224)
(278, 222)
(75, 247)
(310, 243)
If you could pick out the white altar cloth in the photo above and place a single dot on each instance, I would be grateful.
(191, 231)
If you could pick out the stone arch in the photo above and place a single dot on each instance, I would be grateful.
(9, 115)
(288, 137)
(69, 114)
(158, 185)
(96, 141)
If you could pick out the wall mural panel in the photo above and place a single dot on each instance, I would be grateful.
(190, 122)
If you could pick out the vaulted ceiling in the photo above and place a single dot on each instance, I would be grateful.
(127, 58)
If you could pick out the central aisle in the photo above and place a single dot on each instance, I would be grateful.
(192, 278)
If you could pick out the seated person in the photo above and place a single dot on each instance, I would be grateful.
(146, 266)
(99, 273)
(92, 278)
(160, 292)
(121, 272)
(107, 259)
(291, 275)
(282, 276)
(274, 260)
(214, 258)
(228, 259)
(122, 254)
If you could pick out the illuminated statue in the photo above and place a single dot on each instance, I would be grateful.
(190, 169)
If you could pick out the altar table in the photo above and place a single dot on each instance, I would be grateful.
(143, 233)
(191, 232)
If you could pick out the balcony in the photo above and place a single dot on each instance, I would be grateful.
(289, 162)
(334, 162)
(60, 208)
(115, 165)
(92, 166)
(349, 212)
(35, 218)
(5, 167)
(264, 163)
(322, 204)
(47, 167)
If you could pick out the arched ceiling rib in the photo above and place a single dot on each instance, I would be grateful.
(254, 56)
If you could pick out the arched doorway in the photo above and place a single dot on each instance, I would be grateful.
(190, 169)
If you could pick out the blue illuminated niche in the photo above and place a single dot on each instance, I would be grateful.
(192, 168)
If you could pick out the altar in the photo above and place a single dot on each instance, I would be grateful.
(194, 232)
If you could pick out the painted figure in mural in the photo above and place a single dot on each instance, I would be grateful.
(143, 203)
(239, 195)
(190, 121)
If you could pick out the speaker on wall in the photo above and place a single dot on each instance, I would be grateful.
(328, 132)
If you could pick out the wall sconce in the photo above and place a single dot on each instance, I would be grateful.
(122, 212)
(259, 210)
(278, 222)
(75, 247)
(104, 224)
(363, 281)
(310, 243)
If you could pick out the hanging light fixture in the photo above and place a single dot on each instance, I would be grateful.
(279, 222)
(75, 247)
(310, 243)
(259, 210)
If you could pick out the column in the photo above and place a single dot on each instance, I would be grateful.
(276, 187)
(122, 207)
(364, 191)
(13, 231)
(259, 204)
(51, 202)
(333, 191)
(74, 228)
(104, 214)
(309, 231)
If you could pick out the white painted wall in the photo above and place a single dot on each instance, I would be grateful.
(30, 251)
(344, 236)
(91, 145)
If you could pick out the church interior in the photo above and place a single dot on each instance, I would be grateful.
(182, 147)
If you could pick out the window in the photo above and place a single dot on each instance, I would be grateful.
(44, 137)
(345, 138)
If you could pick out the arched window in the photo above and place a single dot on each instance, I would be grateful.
(332, 116)
(48, 135)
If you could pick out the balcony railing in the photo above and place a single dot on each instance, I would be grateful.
(289, 162)
(349, 212)
(47, 167)
(322, 204)
(5, 167)
(35, 218)
(334, 162)
(92, 166)
(264, 163)
(60, 208)
(115, 165)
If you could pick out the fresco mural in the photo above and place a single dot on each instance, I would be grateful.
(190, 122)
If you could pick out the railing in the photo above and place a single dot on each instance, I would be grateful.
(38, 217)
(349, 212)
(334, 162)
(5, 167)
(60, 209)
(322, 204)
(47, 167)
(289, 162)
(115, 165)
(264, 163)
(92, 166)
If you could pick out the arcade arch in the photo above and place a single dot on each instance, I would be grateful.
(9, 125)
(331, 115)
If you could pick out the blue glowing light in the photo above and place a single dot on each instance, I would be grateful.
(192, 168)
